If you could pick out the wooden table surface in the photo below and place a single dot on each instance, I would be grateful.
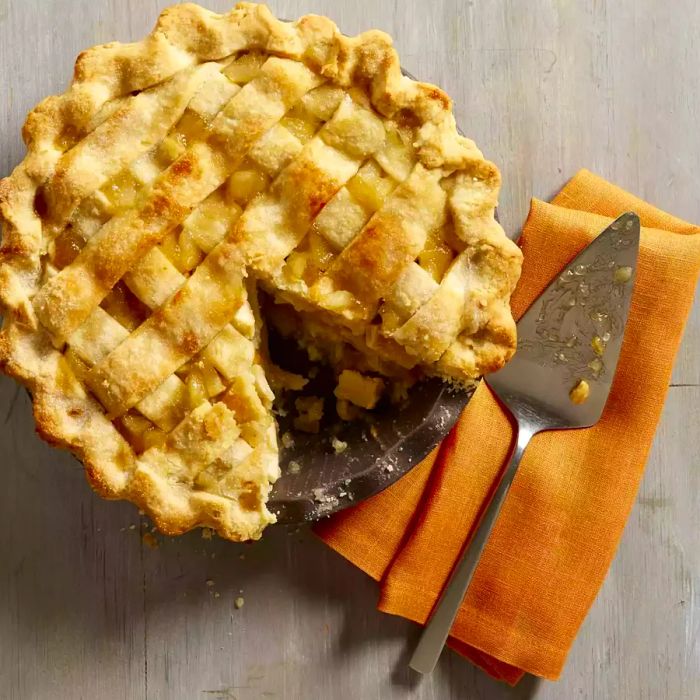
(88, 611)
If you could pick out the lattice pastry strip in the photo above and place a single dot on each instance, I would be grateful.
(176, 174)
(202, 438)
(67, 299)
(171, 400)
(101, 334)
(439, 320)
(141, 122)
(154, 278)
(337, 224)
(273, 225)
(414, 287)
(124, 189)
(369, 266)
(194, 444)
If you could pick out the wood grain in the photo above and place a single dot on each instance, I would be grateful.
(88, 611)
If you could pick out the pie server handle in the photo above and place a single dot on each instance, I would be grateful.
(432, 641)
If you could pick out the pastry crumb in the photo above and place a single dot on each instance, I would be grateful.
(598, 345)
(326, 500)
(596, 366)
(239, 602)
(339, 445)
(287, 440)
(209, 582)
(580, 392)
(293, 467)
(207, 533)
(622, 274)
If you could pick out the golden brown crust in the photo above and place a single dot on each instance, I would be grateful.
(116, 111)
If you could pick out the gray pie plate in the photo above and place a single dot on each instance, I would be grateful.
(347, 462)
(375, 457)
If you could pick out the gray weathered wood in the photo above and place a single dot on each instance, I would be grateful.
(88, 611)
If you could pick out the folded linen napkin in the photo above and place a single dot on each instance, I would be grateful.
(561, 523)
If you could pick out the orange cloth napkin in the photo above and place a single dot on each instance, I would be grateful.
(560, 525)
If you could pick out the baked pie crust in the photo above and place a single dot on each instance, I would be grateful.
(180, 174)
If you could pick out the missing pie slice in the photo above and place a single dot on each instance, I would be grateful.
(179, 175)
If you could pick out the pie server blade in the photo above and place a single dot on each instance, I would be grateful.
(574, 332)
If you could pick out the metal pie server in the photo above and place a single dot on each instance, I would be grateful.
(568, 345)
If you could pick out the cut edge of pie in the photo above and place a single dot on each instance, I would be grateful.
(177, 173)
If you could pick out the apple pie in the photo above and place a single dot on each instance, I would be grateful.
(181, 177)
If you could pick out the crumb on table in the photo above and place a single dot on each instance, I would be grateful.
(149, 539)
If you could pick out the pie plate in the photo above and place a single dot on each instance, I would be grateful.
(339, 467)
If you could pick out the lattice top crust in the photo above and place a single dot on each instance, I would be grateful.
(176, 175)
